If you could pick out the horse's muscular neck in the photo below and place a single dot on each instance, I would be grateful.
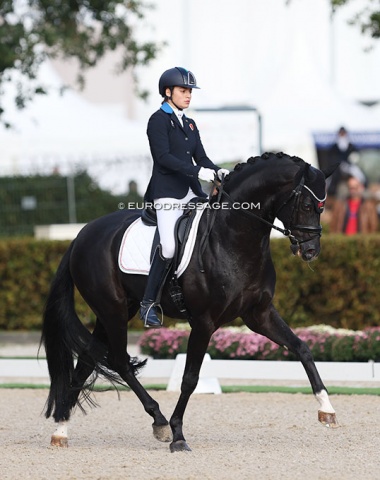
(261, 192)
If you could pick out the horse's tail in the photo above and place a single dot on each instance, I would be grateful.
(65, 338)
(63, 335)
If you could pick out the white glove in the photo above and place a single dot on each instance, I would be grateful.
(206, 174)
(222, 171)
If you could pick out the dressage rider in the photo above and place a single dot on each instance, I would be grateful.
(179, 160)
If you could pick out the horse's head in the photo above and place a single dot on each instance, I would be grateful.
(284, 187)
(301, 211)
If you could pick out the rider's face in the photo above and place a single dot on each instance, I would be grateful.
(181, 96)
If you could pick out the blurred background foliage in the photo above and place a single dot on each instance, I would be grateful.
(82, 31)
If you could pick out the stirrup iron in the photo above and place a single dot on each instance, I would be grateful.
(146, 311)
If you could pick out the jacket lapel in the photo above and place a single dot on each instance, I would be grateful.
(173, 117)
(176, 120)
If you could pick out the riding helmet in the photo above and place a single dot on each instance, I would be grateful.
(176, 77)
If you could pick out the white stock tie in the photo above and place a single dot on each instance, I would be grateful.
(179, 114)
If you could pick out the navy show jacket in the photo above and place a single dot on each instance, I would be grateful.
(174, 150)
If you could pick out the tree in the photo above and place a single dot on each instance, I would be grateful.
(32, 31)
(368, 18)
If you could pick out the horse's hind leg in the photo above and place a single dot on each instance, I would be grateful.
(161, 429)
(83, 369)
(120, 361)
(270, 324)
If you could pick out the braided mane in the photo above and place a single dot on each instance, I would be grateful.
(265, 156)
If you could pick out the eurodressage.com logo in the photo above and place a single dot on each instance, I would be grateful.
(191, 206)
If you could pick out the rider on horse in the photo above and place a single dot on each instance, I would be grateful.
(179, 160)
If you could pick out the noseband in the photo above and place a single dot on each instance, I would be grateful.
(295, 196)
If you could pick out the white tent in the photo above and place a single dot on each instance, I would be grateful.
(62, 133)
(302, 102)
(302, 71)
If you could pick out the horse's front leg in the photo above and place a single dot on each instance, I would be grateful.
(196, 349)
(270, 324)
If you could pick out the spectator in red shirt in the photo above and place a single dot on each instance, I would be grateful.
(355, 214)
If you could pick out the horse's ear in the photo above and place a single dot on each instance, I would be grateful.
(330, 169)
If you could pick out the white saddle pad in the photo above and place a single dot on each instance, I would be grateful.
(136, 246)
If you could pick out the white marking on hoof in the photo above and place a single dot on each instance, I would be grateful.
(324, 402)
(60, 437)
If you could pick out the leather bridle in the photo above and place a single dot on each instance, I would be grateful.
(294, 196)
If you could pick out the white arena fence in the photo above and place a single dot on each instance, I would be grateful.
(212, 372)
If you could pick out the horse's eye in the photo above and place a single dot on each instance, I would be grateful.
(307, 206)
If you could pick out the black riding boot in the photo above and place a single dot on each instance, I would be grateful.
(159, 270)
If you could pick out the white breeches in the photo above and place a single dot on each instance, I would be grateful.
(168, 211)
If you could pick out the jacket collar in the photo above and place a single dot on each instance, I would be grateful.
(168, 109)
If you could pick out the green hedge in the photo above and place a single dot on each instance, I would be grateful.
(339, 289)
(27, 267)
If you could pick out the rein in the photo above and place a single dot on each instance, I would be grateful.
(210, 224)
(250, 214)
(296, 193)
(287, 232)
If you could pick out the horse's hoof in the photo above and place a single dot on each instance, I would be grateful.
(328, 419)
(179, 446)
(57, 441)
(163, 433)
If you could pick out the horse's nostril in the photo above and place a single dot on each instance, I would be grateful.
(310, 254)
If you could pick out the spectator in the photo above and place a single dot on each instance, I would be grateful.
(340, 153)
(355, 213)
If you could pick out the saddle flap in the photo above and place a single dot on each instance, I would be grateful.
(183, 226)
(149, 217)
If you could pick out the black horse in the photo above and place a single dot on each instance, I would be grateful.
(237, 280)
